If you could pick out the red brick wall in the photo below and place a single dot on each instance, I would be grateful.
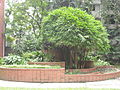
(51, 75)
(91, 77)
(1, 27)
(32, 75)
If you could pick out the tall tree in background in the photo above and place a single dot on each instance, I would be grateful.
(23, 23)
(111, 18)
(84, 4)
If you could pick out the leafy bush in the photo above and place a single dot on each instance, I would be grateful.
(26, 44)
(72, 27)
(75, 30)
(99, 60)
(14, 59)
(101, 63)
(37, 56)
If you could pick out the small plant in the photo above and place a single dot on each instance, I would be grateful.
(100, 62)
(1, 61)
(14, 59)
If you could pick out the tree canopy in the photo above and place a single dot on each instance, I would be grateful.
(72, 27)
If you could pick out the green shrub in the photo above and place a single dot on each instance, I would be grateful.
(101, 63)
(76, 31)
(14, 59)
(37, 56)
(72, 27)
(99, 60)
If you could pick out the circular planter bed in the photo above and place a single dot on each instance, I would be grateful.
(38, 73)
(92, 74)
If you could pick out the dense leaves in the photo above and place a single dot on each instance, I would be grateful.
(111, 17)
(23, 23)
(74, 28)
(76, 32)
(14, 59)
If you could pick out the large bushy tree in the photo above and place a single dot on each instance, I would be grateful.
(75, 30)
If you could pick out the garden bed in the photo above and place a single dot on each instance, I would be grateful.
(62, 64)
(31, 66)
(36, 73)
(95, 70)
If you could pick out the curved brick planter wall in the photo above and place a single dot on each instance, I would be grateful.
(50, 75)
(32, 75)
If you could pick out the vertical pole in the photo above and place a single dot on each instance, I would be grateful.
(1, 28)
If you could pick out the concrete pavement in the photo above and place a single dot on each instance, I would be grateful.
(113, 83)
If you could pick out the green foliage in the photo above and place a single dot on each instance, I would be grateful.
(28, 43)
(23, 23)
(99, 60)
(101, 63)
(1, 61)
(37, 56)
(14, 59)
(111, 5)
(84, 4)
(114, 55)
(112, 20)
(75, 30)
(10, 39)
(31, 66)
(72, 27)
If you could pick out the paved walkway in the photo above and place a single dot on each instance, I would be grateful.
(115, 83)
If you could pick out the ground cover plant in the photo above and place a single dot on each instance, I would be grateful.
(14, 59)
(31, 66)
(97, 71)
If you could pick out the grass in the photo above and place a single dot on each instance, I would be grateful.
(10, 88)
(31, 66)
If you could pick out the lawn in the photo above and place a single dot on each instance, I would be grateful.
(10, 88)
